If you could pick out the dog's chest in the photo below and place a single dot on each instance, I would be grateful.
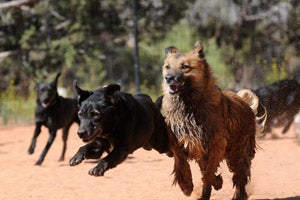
(47, 118)
(186, 125)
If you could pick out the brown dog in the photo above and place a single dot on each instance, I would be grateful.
(205, 124)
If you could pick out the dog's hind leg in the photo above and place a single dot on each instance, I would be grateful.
(64, 138)
(52, 135)
(36, 133)
(287, 127)
(241, 174)
(290, 117)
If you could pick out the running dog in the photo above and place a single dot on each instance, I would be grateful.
(282, 102)
(54, 112)
(205, 124)
(117, 123)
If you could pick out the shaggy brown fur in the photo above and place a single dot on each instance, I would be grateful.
(205, 124)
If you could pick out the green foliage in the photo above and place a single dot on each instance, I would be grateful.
(181, 35)
(91, 72)
(220, 69)
(25, 40)
(15, 108)
(275, 74)
(251, 35)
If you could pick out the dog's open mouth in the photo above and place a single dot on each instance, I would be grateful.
(176, 87)
(45, 104)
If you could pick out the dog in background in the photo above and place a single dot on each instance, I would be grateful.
(282, 102)
(205, 124)
(118, 123)
(54, 112)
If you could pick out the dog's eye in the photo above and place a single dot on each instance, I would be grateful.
(95, 113)
(167, 67)
(184, 66)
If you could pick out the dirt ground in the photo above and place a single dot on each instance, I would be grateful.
(144, 175)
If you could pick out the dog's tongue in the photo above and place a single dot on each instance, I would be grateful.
(173, 89)
(45, 105)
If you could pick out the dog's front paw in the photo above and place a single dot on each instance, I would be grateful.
(76, 159)
(99, 169)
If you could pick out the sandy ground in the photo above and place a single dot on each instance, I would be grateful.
(144, 175)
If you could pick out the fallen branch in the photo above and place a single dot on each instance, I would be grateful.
(5, 54)
(16, 3)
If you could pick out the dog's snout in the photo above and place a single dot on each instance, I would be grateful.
(81, 133)
(169, 78)
(173, 78)
(46, 100)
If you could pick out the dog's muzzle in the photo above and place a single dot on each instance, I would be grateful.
(86, 136)
(176, 83)
(46, 102)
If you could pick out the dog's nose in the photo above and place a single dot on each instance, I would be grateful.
(169, 78)
(81, 133)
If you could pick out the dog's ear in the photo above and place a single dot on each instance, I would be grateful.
(54, 82)
(112, 92)
(198, 48)
(82, 94)
(171, 50)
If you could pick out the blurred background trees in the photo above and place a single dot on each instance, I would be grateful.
(248, 43)
(89, 40)
(258, 38)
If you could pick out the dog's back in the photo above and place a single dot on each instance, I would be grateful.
(149, 127)
(285, 94)
(140, 108)
(281, 99)
(159, 139)
(58, 115)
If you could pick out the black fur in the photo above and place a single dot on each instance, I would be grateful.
(282, 102)
(54, 112)
(118, 123)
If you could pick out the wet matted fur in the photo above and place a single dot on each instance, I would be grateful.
(205, 124)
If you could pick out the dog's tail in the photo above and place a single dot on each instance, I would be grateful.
(258, 109)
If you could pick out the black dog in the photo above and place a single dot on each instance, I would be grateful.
(282, 102)
(118, 123)
(54, 112)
